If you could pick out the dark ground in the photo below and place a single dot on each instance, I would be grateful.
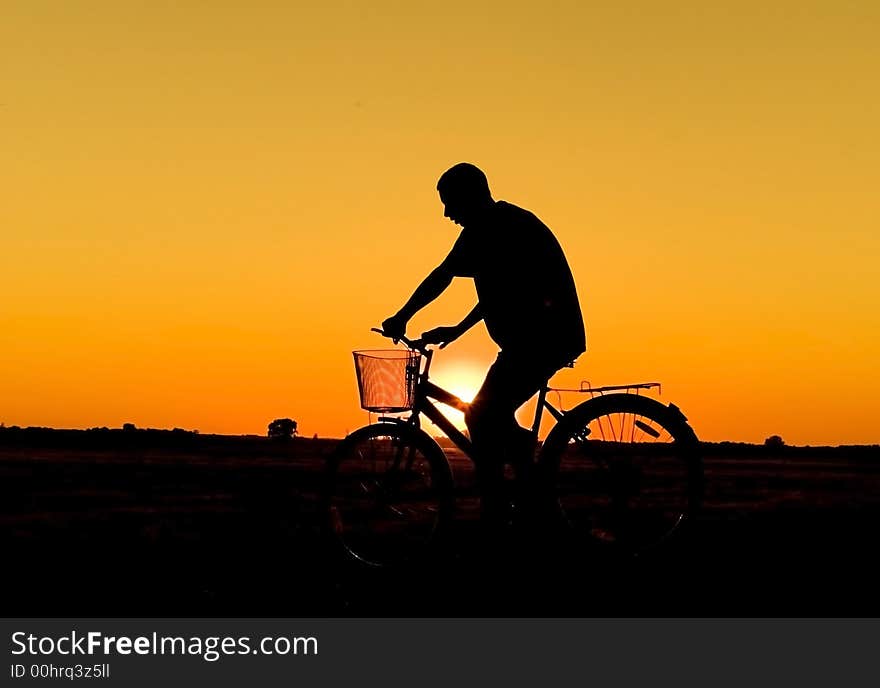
(134, 524)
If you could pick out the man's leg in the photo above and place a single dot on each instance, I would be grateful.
(491, 421)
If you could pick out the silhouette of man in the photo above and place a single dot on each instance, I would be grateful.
(528, 301)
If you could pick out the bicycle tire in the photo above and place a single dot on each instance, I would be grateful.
(624, 472)
(388, 495)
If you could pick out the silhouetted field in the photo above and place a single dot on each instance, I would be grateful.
(164, 524)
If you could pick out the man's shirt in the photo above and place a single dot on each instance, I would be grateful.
(525, 288)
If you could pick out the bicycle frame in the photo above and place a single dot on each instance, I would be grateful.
(427, 390)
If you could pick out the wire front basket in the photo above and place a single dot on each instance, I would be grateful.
(387, 379)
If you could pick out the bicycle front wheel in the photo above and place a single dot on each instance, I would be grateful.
(388, 496)
(626, 470)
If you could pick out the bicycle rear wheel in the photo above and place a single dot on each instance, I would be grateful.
(626, 470)
(388, 497)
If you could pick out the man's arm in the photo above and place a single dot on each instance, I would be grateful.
(470, 320)
(447, 335)
(430, 288)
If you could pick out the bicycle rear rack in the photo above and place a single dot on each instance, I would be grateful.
(636, 386)
(587, 388)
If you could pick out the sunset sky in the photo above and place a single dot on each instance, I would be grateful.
(205, 206)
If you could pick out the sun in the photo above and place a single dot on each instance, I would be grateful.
(463, 381)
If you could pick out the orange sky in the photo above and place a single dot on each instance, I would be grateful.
(206, 206)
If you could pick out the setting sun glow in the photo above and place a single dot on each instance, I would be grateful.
(462, 380)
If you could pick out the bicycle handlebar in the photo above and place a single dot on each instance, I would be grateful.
(414, 344)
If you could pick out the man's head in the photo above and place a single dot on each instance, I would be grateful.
(465, 193)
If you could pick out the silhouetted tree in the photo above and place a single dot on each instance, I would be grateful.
(129, 427)
(774, 442)
(282, 427)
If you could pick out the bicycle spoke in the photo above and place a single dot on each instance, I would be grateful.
(385, 506)
(629, 484)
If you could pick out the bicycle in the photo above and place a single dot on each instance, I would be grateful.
(619, 469)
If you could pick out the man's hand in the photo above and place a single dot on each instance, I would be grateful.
(394, 327)
(441, 335)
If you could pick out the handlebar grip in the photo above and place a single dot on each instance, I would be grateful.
(414, 344)
(402, 338)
